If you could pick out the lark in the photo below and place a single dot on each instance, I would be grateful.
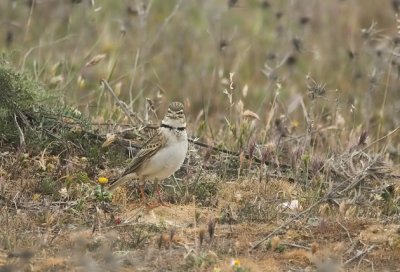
(162, 154)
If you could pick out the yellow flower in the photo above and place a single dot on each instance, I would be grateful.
(235, 262)
(102, 180)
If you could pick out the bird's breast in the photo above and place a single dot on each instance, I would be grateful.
(166, 161)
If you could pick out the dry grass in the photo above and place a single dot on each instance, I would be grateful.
(305, 94)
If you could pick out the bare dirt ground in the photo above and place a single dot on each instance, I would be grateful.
(84, 234)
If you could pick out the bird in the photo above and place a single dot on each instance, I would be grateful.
(161, 155)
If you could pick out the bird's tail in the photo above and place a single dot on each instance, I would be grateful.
(117, 183)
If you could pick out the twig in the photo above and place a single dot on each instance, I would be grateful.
(133, 76)
(41, 46)
(28, 23)
(347, 231)
(381, 138)
(327, 196)
(295, 245)
(318, 130)
(15, 199)
(237, 154)
(359, 254)
(257, 244)
(323, 199)
(135, 215)
(34, 206)
(122, 142)
(120, 103)
(163, 26)
(21, 134)
(356, 181)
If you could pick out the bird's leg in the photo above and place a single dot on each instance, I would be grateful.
(160, 202)
(141, 189)
(142, 192)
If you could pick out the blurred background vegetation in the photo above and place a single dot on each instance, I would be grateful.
(306, 94)
(298, 66)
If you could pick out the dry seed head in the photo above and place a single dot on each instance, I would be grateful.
(363, 138)
(291, 60)
(315, 89)
(207, 155)
(317, 164)
(251, 147)
(211, 228)
(245, 90)
(172, 234)
(324, 209)
(304, 20)
(361, 142)
(265, 4)
(268, 151)
(232, 3)
(202, 234)
(231, 85)
(369, 33)
(239, 107)
(275, 241)
(132, 11)
(95, 60)
(251, 114)
(223, 44)
(297, 44)
(281, 126)
(314, 248)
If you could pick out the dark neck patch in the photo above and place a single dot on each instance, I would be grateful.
(171, 127)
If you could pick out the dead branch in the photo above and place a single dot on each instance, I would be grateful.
(257, 244)
(359, 254)
(237, 154)
(120, 103)
(382, 138)
(326, 197)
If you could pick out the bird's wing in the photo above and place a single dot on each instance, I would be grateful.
(150, 147)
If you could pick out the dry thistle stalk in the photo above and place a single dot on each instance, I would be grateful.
(164, 240)
(202, 234)
(211, 228)
(315, 89)
(362, 141)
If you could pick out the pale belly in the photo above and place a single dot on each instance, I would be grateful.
(166, 161)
